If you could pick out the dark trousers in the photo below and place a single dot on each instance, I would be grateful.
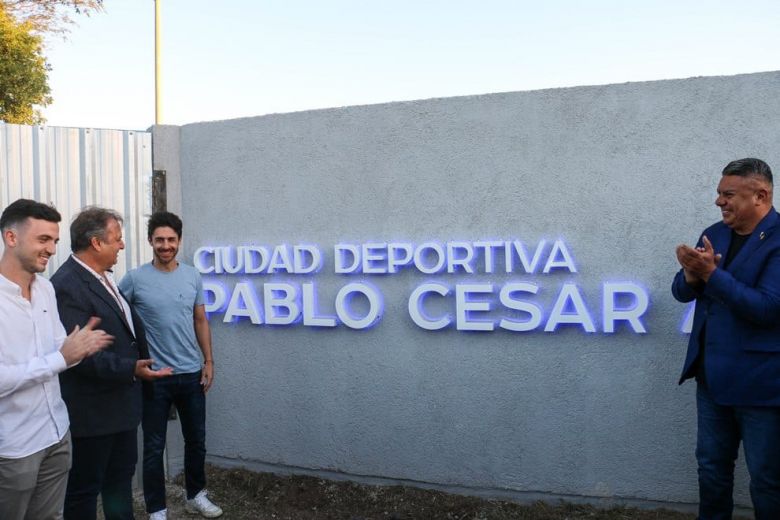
(185, 392)
(103, 465)
(721, 428)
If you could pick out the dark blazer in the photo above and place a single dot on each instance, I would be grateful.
(739, 310)
(101, 392)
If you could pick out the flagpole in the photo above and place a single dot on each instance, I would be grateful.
(157, 64)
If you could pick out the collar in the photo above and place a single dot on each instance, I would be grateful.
(13, 289)
(89, 269)
(9, 287)
(766, 224)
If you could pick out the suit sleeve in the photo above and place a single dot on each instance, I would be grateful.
(759, 304)
(104, 364)
(682, 290)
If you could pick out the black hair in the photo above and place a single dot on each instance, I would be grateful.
(748, 167)
(163, 219)
(22, 209)
(91, 222)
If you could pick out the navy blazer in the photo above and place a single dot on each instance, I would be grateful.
(101, 392)
(739, 310)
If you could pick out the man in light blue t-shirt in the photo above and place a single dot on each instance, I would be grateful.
(168, 296)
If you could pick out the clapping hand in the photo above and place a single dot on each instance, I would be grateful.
(84, 341)
(698, 263)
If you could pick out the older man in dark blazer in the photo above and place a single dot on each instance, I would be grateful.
(734, 348)
(102, 393)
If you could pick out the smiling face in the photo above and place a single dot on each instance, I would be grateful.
(109, 247)
(165, 245)
(33, 242)
(742, 202)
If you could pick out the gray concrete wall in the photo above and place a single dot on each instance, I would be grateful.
(622, 173)
(166, 156)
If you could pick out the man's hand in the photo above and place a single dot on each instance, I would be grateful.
(83, 342)
(683, 252)
(143, 370)
(699, 263)
(207, 376)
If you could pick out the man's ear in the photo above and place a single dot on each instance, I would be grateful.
(95, 243)
(762, 195)
(10, 237)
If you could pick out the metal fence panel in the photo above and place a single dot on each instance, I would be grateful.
(76, 167)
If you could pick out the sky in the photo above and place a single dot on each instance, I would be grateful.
(223, 59)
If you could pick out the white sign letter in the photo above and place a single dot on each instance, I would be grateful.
(243, 304)
(199, 261)
(464, 306)
(418, 256)
(280, 296)
(252, 252)
(416, 311)
(219, 297)
(528, 267)
(552, 262)
(299, 259)
(534, 311)
(569, 297)
(310, 318)
(465, 261)
(339, 251)
(374, 305)
(374, 258)
(630, 314)
(393, 260)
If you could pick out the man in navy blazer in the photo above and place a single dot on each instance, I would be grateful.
(102, 393)
(734, 349)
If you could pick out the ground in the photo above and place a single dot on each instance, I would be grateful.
(245, 495)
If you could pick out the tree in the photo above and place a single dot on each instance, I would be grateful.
(50, 16)
(23, 72)
(24, 81)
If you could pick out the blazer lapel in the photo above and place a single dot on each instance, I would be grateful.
(96, 286)
(763, 230)
(720, 243)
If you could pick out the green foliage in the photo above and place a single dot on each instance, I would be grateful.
(23, 72)
(24, 86)
(50, 16)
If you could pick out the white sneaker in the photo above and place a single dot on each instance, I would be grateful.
(201, 504)
(159, 515)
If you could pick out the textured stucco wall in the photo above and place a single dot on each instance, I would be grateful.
(622, 173)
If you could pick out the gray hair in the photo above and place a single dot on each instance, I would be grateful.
(91, 222)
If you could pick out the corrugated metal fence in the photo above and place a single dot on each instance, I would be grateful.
(76, 167)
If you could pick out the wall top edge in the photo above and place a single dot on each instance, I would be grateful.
(469, 97)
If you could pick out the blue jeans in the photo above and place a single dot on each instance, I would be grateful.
(185, 392)
(721, 428)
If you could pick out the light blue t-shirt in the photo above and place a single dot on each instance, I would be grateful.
(165, 302)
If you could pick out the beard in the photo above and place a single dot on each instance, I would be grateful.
(170, 256)
(31, 264)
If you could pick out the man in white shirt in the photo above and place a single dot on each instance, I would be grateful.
(34, 437)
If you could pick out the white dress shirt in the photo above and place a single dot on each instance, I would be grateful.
(33, 415)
